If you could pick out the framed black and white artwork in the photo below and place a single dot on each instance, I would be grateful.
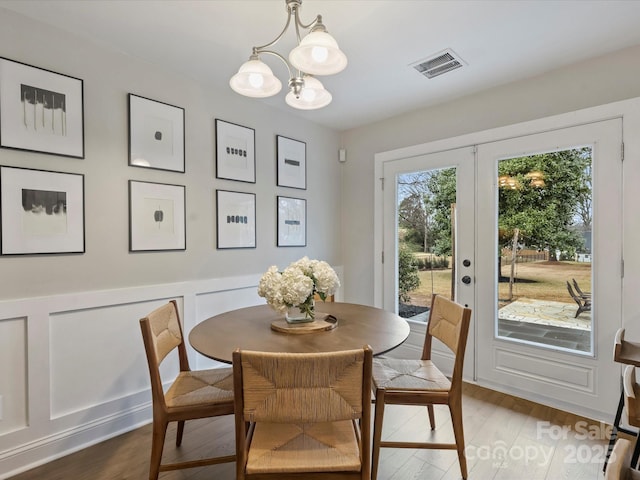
(42, 211)
(156, 217)
(236, 219)
(235, 152)
(40, 110)
(156, 134)
(292, 222)
(292, 163)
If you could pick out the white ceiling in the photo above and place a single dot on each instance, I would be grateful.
(500, 40)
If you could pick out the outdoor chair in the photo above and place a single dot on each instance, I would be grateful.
(584, 295)
(584, 304)
(303, 415)
(420, 382)
(193, 394)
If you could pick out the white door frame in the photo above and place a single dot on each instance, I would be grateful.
(629, 110)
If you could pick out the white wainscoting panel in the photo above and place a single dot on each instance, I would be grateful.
(97, 355)
(73, 371)
(554, 371)
(13, 370)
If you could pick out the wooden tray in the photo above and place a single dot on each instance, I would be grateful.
(319, 324)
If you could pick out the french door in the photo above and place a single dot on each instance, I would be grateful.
(553, 357)
(500, 247)
(457, 166)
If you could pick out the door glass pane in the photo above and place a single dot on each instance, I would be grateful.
(544, 249)
(425, 207)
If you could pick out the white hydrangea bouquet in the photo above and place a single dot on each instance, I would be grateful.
(296, 285)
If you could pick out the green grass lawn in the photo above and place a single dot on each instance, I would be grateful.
(543, 280)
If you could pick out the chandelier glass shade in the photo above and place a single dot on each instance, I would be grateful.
(312, 95)
(318, 54)
(315, 54)
(255, 79)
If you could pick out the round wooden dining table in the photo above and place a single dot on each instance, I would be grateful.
(250, 328)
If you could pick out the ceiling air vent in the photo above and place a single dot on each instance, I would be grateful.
(442, 62)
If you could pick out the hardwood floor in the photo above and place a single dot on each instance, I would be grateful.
(507, 439)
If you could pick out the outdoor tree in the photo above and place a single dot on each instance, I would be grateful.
(584, 211)
(424, 210)
(408, 279)
(442, 187)
(546, 193)
(411, 218)
(548, 200)
(412, 212)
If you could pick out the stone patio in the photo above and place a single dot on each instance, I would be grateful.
(546, 312)
(540, 321)
(547, 322)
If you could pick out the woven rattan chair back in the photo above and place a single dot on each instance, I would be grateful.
(317, 403)
(448, 322)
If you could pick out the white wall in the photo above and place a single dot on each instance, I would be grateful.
(72, 366)
(595, 82)
(108, 78)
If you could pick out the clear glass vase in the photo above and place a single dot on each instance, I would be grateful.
(296, 315)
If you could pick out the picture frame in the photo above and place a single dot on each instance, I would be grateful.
(292, 222)
(235, 152)
(42, 212)
(236, 220)
(292, 163)
(40, 110)
(156, 134)
(157, 217)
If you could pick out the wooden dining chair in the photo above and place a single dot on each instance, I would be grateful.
(625, 352)
(193, 394)
(420, 382)
(303, 415)
(632, 405)
(618, 468)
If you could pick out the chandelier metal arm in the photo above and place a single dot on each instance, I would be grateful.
(296, 82)
(275, 40)
(293, 8)
(299, 24)
(256, 51)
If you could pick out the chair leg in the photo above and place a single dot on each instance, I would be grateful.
(432, 418)
(157, 445)
(179, 433)
(377, 432)
(614, 430)
(636, 453)
(458, 432)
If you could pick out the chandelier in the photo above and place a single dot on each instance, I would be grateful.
(315, 54)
